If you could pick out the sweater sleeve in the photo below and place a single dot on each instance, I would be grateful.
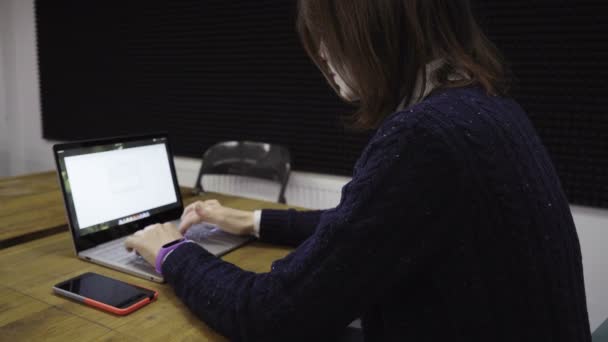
(288, 227)
(389, 220)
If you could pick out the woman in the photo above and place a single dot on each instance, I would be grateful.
(454, 226)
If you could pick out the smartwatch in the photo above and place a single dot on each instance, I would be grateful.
(165, 249)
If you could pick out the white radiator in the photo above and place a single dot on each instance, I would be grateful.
(315, 191)
(308, 190)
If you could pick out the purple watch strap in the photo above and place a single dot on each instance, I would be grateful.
(164, 250)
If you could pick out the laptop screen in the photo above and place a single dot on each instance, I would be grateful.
(117, 184)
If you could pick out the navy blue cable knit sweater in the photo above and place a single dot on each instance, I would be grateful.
(453, 228)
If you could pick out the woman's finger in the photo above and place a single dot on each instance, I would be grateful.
(190, 208)
(188, 221)
(130, 243)
(204, 212)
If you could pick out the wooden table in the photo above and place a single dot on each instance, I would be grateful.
(31, 207)
(29, 311)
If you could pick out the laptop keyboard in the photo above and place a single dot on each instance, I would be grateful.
(115, 253)
(204, 232)
(114, 250)
(209, 235)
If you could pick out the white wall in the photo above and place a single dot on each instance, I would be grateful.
(4, 148)
(592, 227)
(20, 134)
(21, 129)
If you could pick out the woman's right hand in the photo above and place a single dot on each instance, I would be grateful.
(233, 221)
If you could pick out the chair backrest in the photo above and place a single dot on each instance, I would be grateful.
(247, 158)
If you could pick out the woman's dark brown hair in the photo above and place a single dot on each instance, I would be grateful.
(381, 47)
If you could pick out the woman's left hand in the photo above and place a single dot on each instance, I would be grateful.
(148, 241)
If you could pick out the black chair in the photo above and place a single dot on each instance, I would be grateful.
(247, 158)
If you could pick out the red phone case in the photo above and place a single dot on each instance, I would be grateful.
(118, 311)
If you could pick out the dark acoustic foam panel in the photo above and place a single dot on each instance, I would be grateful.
(559, 53)
(205, 71)
(214, 70)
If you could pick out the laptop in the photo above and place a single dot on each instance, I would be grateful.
(117, 186)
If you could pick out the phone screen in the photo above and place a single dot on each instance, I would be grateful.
(105, 290)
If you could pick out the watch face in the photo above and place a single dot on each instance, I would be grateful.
(173, 243)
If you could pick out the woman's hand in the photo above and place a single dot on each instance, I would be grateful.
(233, 221)
(148, 241)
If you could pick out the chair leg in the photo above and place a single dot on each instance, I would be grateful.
(198, 186)
(282, 198)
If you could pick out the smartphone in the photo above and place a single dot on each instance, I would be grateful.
(105, 293)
